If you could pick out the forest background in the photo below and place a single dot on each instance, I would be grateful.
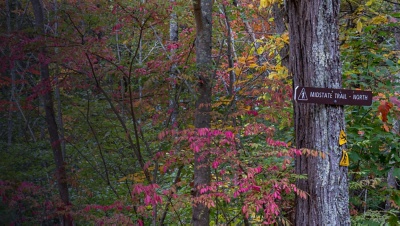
(98, 104)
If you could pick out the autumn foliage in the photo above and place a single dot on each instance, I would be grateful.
(124, 96)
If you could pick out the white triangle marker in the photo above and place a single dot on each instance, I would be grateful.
(303, 95)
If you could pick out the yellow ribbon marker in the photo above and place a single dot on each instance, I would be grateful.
(342, 138)
(345, 159)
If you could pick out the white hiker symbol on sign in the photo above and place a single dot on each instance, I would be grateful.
(303, 95)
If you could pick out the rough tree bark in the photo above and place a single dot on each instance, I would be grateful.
(314, 62)
(202, 14)
(391, 179)
(50, 117)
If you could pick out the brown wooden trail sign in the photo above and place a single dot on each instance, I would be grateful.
(332, 96)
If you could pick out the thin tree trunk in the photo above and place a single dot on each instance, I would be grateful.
(260, 58)
(10, 121)
(280, 15)
(8, 16)
(57, 95)
(202, 173)
(16, 101)
(60, 121)
(10, 110)
(230, 52)
(314, 62)
(173, 38)
(173, 105)
(98, 143)
(50, 117)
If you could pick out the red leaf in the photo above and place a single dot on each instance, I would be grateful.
(117, 27)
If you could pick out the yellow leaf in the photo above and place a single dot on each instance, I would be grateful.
(242, 60)
(122, 179)
(369, 3)
(263, 3)
(379, 20)
(266, 3)
(285, 37)
(359, 26)
(273, 75)
(271, 53)
(217, 104)
(342, 138)
(230, 128)
(139, 177)
(237, 71)
(260, 50)
(262, 68)
(251, 59)
(253, 65)
(252, 50)
(345, 159)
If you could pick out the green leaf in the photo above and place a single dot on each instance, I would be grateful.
(396, 172)
(354, 157)
(393, 220)
(371, 223)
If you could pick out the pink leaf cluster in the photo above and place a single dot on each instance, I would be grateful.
(276, 143)
(149, 191)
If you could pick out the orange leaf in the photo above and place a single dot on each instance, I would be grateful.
(386, 127)
(384, 109)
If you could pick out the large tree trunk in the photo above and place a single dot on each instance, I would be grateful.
(391, 179)
(50, 117)
(314, 62)
(202, 13)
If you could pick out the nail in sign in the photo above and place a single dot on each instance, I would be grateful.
(332, 96)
